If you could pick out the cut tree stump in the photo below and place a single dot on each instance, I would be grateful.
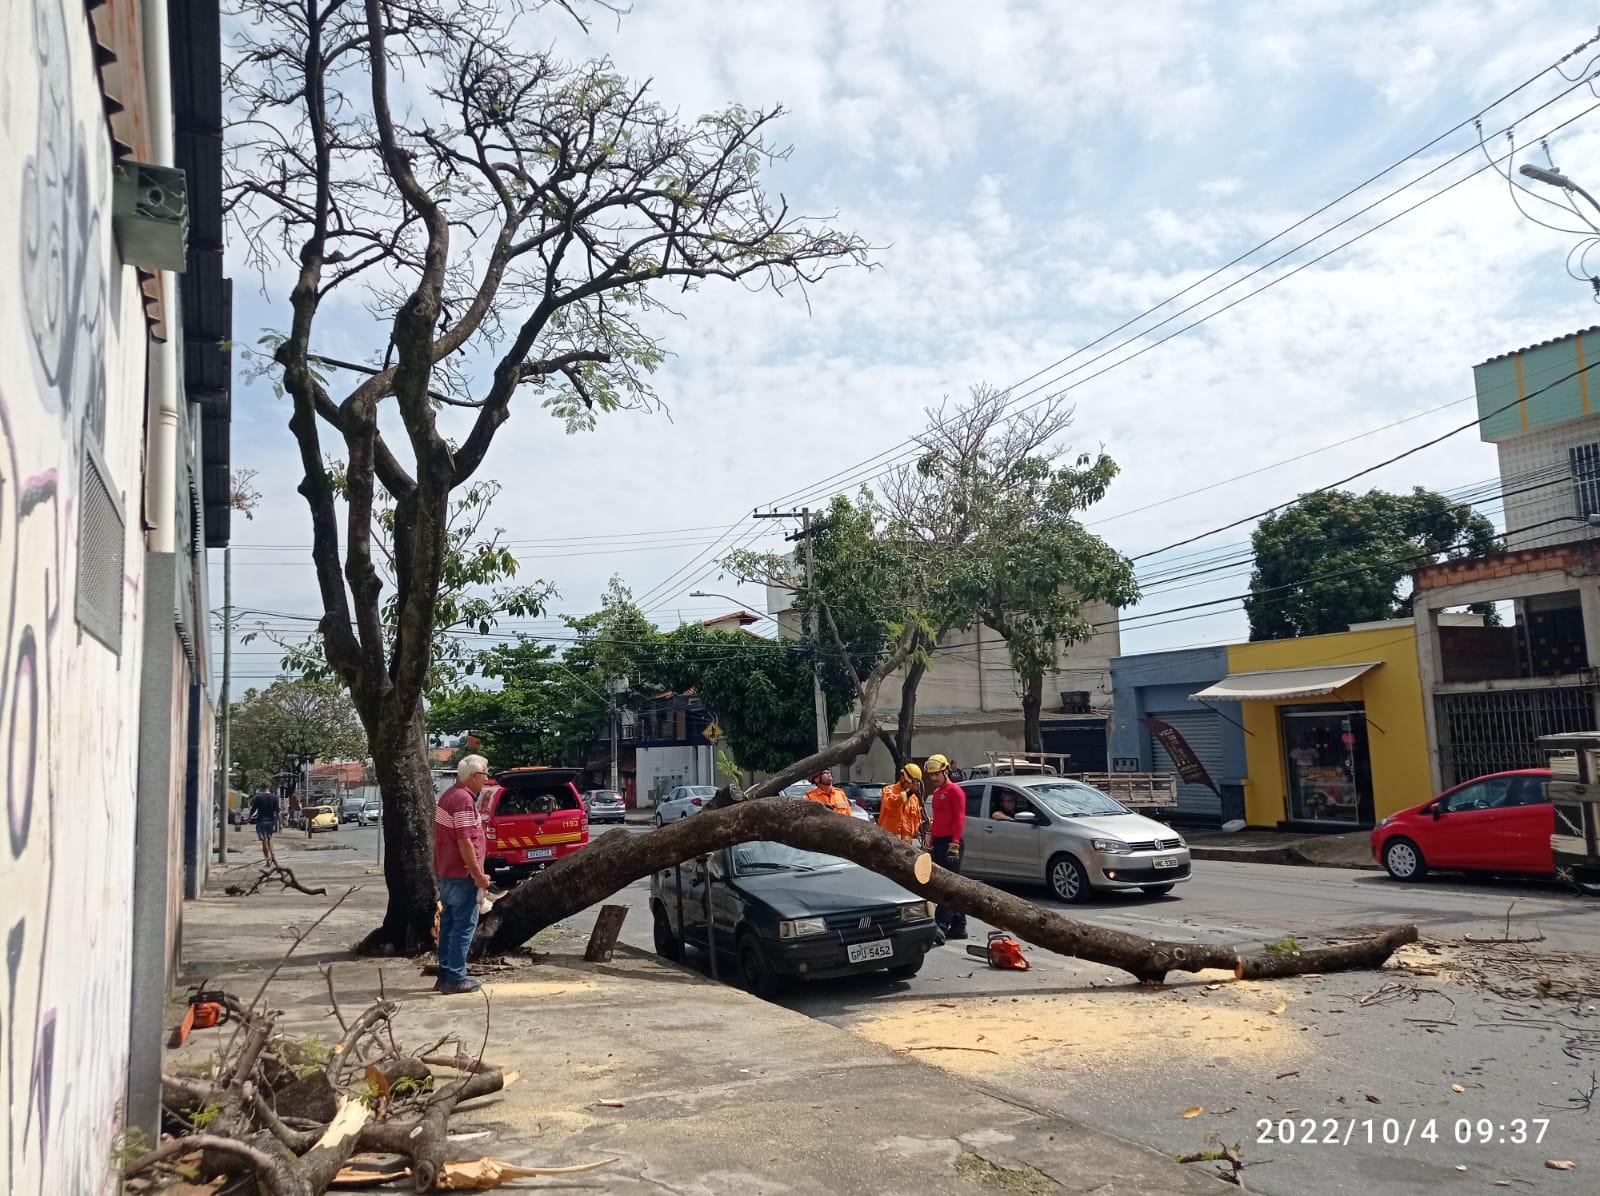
(603, 939)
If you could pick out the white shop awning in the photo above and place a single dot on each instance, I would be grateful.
(1276, 685)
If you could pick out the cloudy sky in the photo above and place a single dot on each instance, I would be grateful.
(1037, 174)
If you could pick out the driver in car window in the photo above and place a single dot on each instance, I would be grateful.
(1006, 810)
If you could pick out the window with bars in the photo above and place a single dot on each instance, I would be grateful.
(1584, 461)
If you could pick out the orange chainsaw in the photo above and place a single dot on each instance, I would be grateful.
(1001, 951)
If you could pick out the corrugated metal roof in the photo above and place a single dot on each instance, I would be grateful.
(1555, 340)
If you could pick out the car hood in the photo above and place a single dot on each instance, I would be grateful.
(833, 891)
(1130, 828)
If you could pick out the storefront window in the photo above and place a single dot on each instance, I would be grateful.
(1329, 776)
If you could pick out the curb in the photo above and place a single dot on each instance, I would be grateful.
(1289, 853)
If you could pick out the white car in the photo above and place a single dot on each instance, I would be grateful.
(683, 801)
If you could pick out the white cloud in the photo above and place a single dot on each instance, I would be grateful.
(968, 140)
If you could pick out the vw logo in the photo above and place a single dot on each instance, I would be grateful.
(864, 924)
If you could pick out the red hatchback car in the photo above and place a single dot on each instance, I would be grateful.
(1498, 823)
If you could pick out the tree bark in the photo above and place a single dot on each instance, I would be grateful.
(620, 858)
(905, 731)
(400, 759)
(1032, 704)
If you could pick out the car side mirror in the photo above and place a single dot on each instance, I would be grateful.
(1437, 810)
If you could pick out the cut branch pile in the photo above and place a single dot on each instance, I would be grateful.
(619, 858)
(301, 1118)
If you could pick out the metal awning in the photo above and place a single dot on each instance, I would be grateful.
(1275, 685)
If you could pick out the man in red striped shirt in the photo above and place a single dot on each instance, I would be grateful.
(949, 804)
(459, 848)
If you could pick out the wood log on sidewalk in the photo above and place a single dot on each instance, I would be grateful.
(619, 858)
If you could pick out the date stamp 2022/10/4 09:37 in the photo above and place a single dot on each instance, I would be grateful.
(1401, 1131)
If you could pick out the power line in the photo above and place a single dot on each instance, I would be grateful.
(812, 492)
(794, 494)
(1473, 423)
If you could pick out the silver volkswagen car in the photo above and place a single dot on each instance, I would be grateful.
(1069, 835)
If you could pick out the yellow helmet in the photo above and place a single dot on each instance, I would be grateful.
(912, 771)
(937, 763)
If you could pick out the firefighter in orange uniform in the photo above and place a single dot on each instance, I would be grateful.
(900, 811)
(826, 795)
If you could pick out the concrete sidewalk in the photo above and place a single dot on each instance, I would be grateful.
(719, 1092)
(1350, 850)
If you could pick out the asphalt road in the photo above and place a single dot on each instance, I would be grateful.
(1354, 1059)
(1368, 1063)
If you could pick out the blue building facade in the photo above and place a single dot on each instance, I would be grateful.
(1158, 685)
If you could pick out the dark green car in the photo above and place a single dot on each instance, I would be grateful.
(776, 913)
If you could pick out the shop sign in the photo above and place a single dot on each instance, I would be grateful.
(1190, 770)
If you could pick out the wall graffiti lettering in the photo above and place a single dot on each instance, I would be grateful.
(70, 767)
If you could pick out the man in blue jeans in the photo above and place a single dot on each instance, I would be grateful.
(458, 855)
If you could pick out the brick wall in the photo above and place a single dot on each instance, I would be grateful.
(1577, 558)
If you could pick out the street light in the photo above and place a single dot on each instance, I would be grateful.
(1554, 178)
(730, 598)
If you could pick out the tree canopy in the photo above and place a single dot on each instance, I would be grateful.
(513, 222)
(290, 719)
(1335, 557)
(536, 706)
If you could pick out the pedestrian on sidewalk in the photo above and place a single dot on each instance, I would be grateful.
(264, 811)
(949, 804)
(459, 848)
(900, 805)
(825, 794)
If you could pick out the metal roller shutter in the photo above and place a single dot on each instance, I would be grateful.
(1199, 728)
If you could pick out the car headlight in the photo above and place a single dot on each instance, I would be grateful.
(1386, 821)
(799, 928)
(916, 910)
(1110, 846)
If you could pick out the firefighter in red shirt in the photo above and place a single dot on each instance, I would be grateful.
(948, 801)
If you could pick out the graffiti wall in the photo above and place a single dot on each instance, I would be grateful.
(72, 344)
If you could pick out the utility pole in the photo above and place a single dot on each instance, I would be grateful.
(805, 533)
(225, 764)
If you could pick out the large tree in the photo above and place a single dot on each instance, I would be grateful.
(290, 719)
(991, 511)
(513, 221)
(1336, 557)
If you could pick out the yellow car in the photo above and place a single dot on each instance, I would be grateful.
(322, 818)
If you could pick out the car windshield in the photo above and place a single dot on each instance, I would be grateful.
(778, 857)
(1072, 800)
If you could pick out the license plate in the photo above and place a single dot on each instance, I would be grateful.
(1167, 861)
(877, 949)
(540, 853)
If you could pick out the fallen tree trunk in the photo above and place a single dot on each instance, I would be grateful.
(619, 858)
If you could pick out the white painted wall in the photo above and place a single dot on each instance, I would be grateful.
(971, 672)
(72, 337)
(662, 768)
(1532, 464)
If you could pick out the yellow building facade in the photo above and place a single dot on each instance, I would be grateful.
(1334, 733)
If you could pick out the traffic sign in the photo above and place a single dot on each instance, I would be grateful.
(712, 733)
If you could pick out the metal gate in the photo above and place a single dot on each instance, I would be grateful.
(1199, 729)
(1481, 733)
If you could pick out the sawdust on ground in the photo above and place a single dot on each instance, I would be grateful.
(1092, 1032)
